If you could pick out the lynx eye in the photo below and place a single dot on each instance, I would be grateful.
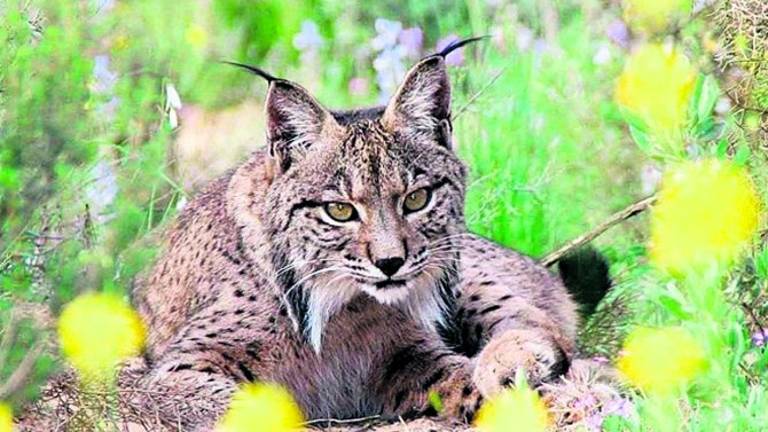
(340, 212)
(417, 200)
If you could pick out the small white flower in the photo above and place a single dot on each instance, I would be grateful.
(173, 118)
(172, 105)
(723, 106)
(603, 54)
(181, 203)
(172, 97)
(650, 177)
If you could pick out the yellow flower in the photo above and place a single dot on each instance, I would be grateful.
(98, 331)
(261, 407)
(656, 86)
(120, 42)
(655, 15)
(196, 36)
(519, 409)
(706, 214)
(660, 360)
(6, 418)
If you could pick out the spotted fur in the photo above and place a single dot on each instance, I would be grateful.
(258, 283)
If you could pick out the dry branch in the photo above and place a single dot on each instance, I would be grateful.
(597, 231)
(20, 376)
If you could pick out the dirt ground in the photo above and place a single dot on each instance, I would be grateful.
(583, 393)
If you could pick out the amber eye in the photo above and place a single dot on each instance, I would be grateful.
(417, 200)
(341, 212)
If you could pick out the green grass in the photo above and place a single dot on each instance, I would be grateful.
(547, 155)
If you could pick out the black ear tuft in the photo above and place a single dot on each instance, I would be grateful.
(295, 120)
(422, 104)
(453, 46)
(254, 70)
(422, 101)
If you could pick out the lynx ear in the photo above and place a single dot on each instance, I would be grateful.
(422, 104)
(295, 121)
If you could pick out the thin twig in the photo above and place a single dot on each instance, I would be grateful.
(21, 375)
(341, 421)
(758, 321)
(583, 239)
(479, 92)
(9, 335)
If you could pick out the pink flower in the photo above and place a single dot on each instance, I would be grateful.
(358, 86)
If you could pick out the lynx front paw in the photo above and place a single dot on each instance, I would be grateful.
(461, 400)
(538, 355)
(462, 405)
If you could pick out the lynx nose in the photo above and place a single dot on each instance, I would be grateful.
(389, 266)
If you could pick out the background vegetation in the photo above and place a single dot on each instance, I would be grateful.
(114, 112)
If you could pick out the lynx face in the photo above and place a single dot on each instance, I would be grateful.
(368, 202)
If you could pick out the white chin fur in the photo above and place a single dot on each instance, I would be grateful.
(389, 296)
(420, 301)
(324, 302)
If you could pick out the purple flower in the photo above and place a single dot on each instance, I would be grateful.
(594, 422)
(388, 63)
(540, 46)
(103, 79)
(103, 85)
(308, 38)
(389, 71)
(524, 38)
(102, 190)
(615, 407)
(412, 39)
(585, 403)
(619, 407)
(108, 110)
(455, 58)
(387, 34)
(759, 338)
(618, 33)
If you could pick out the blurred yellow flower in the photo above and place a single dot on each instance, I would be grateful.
(660, 360)
(120, 42)
(261, 407)
(656, 86)
(706, 214)
(519, 409)
(6, 418)
(97, 331)
(655, 15)
(196, 36)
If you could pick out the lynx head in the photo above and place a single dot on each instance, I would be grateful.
(367, 202)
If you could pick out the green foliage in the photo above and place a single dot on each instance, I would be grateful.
(528, 131)
(43, 132)
(55, 130)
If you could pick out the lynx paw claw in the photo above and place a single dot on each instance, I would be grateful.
(540, 357)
